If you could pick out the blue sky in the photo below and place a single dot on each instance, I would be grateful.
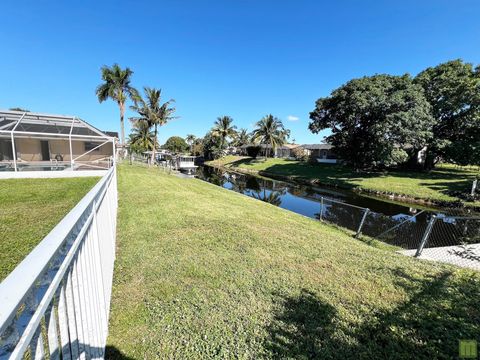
(239, 58)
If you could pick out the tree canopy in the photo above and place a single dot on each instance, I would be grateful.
(153, 112)
(141, 137)
(116, 86)
(453, 90)
(270, 131)
(375, 120)
(224, 129)
(176, 144)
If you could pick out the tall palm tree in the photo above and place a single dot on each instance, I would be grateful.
(270, 131)
(190, 139)
(153, 111)
(242, 137)
(224, 129)
(116, 86)
(141, 138)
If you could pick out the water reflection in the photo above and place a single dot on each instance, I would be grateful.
(344, 208)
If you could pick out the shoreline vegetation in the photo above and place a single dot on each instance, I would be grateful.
(270, 284)
(436, 188)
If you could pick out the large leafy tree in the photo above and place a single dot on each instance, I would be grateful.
(453, 90)
(151, 109)
(375, 120)
(116, 86)
(224, 129)
(270, 131)
(176, 144)
(211, 146)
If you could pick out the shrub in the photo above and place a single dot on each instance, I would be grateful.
(253, 151)
(300, 154)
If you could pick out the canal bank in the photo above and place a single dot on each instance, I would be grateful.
(439, 188)
(400, 225)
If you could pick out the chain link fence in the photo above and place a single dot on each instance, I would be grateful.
(450, 238)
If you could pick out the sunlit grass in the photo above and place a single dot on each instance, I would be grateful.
(202, 272)
(29, 209)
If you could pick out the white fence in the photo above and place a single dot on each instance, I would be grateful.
(55, 304)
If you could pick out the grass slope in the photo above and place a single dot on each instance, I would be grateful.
(437, 185)
(203, 272)
(29, 209)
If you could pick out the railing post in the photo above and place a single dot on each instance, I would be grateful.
(474, 187)
(426, 234)
(321, 208)
(359, 230)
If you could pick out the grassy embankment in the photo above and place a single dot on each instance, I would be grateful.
(203, 272)
(29, 209)
(438, 186)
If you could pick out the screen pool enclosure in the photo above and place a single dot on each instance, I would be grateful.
(33, 141)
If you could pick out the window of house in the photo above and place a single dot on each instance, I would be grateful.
(90, 145)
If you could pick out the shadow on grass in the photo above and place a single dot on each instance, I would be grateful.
(428, 325)
(112, 353)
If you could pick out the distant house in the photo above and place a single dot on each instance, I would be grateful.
(322, 152)
(286, 151)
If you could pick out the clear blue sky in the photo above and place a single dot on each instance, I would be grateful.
(239, 58)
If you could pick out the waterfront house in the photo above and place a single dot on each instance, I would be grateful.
(323, 153)
(34, 141)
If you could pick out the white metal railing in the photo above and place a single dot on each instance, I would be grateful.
(55, 304)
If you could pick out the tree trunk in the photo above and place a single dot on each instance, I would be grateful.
(122, 126)
(154, 146)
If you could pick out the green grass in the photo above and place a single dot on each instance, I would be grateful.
(439, 185)
(202, 272)
(29, 209)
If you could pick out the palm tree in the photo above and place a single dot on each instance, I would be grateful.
(270, 131)
(223, 129)
(116, 86)
(242, 137)
(190, 139)
(153, 111)
(141, 138)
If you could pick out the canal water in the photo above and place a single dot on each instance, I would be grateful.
(342, 207)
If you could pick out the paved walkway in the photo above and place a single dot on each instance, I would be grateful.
(467, 256)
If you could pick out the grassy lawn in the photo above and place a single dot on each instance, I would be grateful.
(437, 185)
(203, 272)
(29, 209)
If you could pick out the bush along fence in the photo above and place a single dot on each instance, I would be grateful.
(442, 237)
(55, 304)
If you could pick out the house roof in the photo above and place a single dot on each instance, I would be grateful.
(35, 125)
(289, 146)
(317, 146)
(284, 146)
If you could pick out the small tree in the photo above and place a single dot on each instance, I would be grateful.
(270, 132)
(176, 144)
(190, 139)
(116, 86)
(241, 138)
(224, 129)
(154, 112)
(141, 138)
